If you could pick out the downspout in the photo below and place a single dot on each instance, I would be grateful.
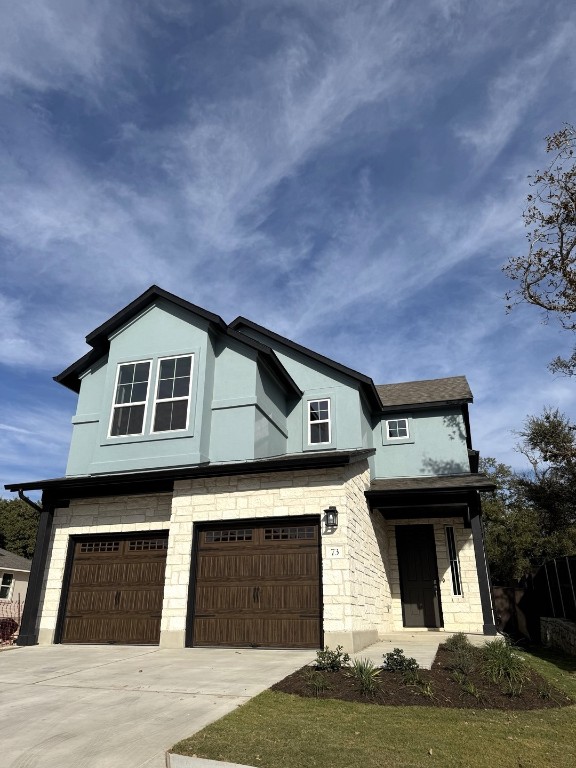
(28, 634)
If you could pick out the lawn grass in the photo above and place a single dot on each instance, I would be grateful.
(277, 730)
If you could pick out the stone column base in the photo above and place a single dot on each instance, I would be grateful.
(352, 642)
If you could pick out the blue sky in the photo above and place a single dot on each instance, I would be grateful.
(349, 174)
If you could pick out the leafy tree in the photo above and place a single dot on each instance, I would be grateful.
(531, 518)
(546, 275)
(18, 527)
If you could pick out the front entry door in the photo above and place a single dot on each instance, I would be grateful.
(418, 576)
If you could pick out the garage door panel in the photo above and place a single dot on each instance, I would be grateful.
(261, 590)
(116, 590)
(272, 632)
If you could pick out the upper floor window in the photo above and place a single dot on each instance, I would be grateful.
(170, 399)
(397, 429)
(173, 394)
(130, 399)
(6, 586)
(319, 426)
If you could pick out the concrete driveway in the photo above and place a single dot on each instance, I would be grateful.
(71, 706)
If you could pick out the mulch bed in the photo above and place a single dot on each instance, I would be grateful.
(437, 688)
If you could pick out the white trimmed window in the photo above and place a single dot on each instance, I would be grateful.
(397, 429)
(319, 426)
(131, 393)
(172, 402)
(6, 586)
(453, 558)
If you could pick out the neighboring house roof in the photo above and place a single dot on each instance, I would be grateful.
(12, 562)
(365, 381)
(454, 389)
(99, 338)
(477, 481)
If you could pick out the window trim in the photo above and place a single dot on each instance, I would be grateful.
(398, 416)
(398, 437)
(10, 586)
(171, 399)
(453, 562)
(319, 421)
(115, 405)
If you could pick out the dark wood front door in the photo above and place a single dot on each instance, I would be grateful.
(418, 576)
(115, 590)
(258, 585)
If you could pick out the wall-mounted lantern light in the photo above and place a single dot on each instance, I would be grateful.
(331, 518)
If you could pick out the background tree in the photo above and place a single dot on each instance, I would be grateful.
(546, 275)
(531, 517)
(18, 527)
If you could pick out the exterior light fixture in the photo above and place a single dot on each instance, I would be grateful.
(331, 518)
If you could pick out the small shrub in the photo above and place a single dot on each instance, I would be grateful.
(501, 664)
(396, 661)
(545, 691)
(367, 675)
(459, 677)
(471, 689)
(426, 689)
(331, 661)
(457, 642)
(512, 688)
(464, 660)
(317, 682)
(412, 677)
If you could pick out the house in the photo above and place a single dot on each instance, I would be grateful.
(227, 486)
(14, 572)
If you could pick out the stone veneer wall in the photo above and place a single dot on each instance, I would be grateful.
(352, 610)
(461, 614)
(558, 633)
(357, 597)
(112, 514)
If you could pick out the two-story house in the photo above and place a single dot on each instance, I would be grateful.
(227, 486)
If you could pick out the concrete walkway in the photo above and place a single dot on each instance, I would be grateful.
(122, 706)
(421, 645)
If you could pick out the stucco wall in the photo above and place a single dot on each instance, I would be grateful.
(461, 613)
(113, 514)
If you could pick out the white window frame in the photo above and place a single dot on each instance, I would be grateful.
(10, 586)
(398, 437)
(124, 405)
(320, 421)
(157, 399)
(453, 561)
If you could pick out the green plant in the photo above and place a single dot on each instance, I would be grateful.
(317, 682)
(459, 677)
(471, 689)
(464, 660)
(331, 661)
(396, 661)
(426, 689)
(412, 677)
(457, 642)
(502, 664)
(512, 688)
(367, 675)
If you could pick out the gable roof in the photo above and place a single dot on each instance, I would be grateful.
(454, 389)
(9, 561)
(99, 338)
(365, 382)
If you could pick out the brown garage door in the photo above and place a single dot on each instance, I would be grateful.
(115, 590)
(258, 585)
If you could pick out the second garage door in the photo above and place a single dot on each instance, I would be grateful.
(259, 585)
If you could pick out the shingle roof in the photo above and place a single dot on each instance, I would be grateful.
(454, 388)
(474, 481)
(10, 561)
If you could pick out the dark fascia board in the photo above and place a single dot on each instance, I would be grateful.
(98, 339)
(163, 478)
(367, 384)
(422, 406)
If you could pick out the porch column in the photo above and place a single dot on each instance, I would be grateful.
(489, 628)
(28, 634)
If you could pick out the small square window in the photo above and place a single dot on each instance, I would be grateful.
(397, 429)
